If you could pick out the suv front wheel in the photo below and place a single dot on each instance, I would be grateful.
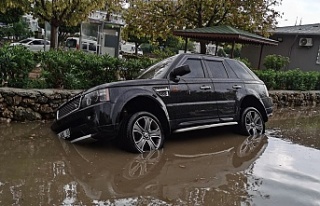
(251, 122)
(142, 132)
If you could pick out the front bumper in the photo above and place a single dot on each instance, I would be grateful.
(90, 122)
(268, 104)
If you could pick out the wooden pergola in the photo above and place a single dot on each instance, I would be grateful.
(226, 34)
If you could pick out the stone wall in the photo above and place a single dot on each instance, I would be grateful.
(295, 98)
(36, 104)
(31, 104)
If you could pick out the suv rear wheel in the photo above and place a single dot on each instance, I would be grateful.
(251, 122)
(142, 132)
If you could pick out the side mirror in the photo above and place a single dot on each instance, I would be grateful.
(179, 71)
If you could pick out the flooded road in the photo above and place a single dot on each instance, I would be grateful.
(207, 167)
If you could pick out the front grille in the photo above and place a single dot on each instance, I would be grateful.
(69, 107)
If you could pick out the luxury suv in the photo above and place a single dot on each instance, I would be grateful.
(177, 94)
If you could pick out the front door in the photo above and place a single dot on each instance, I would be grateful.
(191, 99)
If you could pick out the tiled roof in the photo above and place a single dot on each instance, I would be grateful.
(224, 33)
(311, 29)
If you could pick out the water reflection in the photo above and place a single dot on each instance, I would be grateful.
(300, 126)
(186, 176)
(37, 168)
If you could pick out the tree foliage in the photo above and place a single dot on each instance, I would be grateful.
(157, 19)
(11, 15)
(61, 12)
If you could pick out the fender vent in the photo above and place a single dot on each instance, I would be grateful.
(162, 91)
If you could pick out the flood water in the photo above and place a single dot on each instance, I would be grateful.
(206, 167)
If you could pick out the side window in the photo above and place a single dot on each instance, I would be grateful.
(84, 45)
(196, 70)
(92, 47)
(239, 70)
(231, 73)
(36, 42)
(216, 69)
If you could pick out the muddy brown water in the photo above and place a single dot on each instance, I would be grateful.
(205, 167)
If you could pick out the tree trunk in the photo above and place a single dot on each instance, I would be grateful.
(54, 35)
(136, 48)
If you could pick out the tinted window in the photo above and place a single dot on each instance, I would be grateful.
(231, 73)
(84, 46)
(196, 70)
(92, 47)
(216, 69)
(157, 70)
(240, 71)
(36, 42)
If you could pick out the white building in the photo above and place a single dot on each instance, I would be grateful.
(32, 22)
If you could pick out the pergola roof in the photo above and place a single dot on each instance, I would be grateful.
(225, 33)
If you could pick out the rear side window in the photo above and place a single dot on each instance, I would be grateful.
(240, 70)
(216, 69)
(196, 68)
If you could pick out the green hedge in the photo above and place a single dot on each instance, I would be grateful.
(79, 70)
(290, 80)
(15, 65)
(64, 69)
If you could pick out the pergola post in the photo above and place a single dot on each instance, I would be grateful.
(186, 45)
(260, 56)
(232, 50)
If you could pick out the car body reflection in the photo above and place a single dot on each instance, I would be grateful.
(184, 176)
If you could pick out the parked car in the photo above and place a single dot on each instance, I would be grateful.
(177, 94)
(34, 44)
(87, 45)
(129, 48)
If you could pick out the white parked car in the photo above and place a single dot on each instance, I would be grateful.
(34, 44)
(87, 45)
(129, 48)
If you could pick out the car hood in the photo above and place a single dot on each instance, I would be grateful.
(130, 83)
(16, 43)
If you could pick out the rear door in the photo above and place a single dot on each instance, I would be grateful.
(191, 99)
(227, 87)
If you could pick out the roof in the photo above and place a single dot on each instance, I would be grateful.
(224, 33)
(311, 29)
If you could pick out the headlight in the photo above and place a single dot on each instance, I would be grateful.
(95, 97)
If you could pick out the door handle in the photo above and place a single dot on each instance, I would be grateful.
(204, 87)
(236, 87)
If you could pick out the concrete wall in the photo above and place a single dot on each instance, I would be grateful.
(303, 57)
(31, 105)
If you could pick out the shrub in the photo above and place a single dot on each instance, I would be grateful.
(275, 62)
(268, 76)
(290, 80)
(15, 65)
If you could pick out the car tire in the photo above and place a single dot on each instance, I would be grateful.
(251, 122)
(141, 132)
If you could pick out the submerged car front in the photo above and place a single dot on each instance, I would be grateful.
(84, 116)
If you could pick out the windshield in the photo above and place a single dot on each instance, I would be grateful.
(25, 41)
(71, 43)
(158, 70)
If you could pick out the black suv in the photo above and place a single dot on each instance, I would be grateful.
(180, 93)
